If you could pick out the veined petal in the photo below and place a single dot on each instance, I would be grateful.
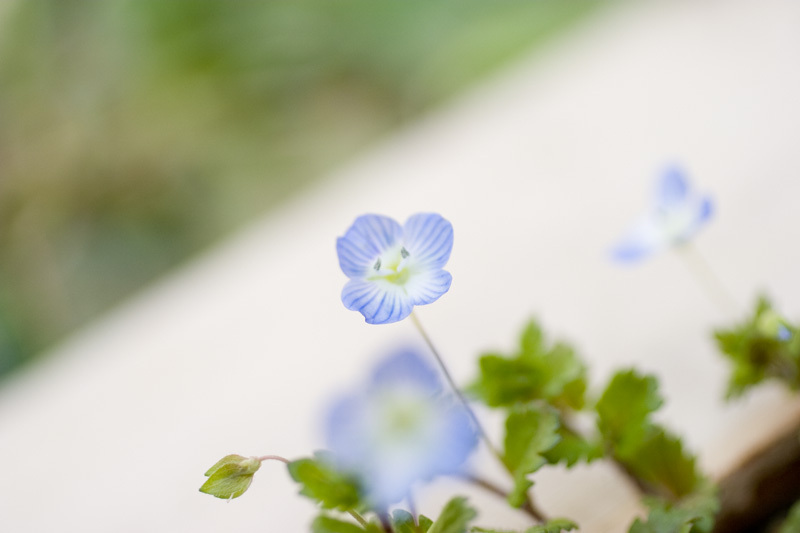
(672, 188)
(364, 241)
(406, 366)
(426, 286)
(380, 302)
(429, 239)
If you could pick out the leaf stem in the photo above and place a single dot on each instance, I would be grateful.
(528, 501)
(359, 518)
(273, 458)
(527, 506)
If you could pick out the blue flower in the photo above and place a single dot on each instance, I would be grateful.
(401, 429)
(392, 268)
(677, 214)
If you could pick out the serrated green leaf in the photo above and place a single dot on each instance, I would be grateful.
(531, 430)
(321, 482)
(572, 448)
(763, 347)
(625, 406)
(661, 461)
(693, 514)
(230, 477)
(454, 518)
(555, 525)
(536, 372)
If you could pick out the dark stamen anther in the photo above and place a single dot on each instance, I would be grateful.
(377, 264)
(404, 253)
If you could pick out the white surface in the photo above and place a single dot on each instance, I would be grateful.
(539, 172)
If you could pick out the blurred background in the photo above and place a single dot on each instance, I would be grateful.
(134, 134)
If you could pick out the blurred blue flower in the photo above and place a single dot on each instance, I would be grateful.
(392, 268)
(399, 430)
(677, 214)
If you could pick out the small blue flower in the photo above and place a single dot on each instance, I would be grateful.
(392, 268)
(677, 214)
(401, 429)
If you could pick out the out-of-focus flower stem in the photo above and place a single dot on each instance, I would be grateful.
(527, 506)
(532, 509)
(707, 278)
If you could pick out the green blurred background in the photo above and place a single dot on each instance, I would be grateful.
(135, 133)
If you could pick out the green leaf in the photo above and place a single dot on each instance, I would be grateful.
(555, 525)
(693, 514)
(537, 372)
(573, 448)
(763, 347)
(321, 482)
(425, 523)
(625, 406)
(531, 430)
(454, 518)
(230, 477)
(328, 524)
(403, 522)
(661, 461)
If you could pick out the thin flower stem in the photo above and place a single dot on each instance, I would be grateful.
(527, 506)
(273, 458)
(707, 278)
(359, 518)
(528, 501)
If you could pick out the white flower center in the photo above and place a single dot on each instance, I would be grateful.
(391, 266)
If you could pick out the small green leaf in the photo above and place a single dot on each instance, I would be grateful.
(531, 430)
(321, 482)
(403, 522)
(555, 525)
(536, 372)
(661, 461)
(230, 477)
(425, 523)
(694, 514)
(454, 518)
(625, 406)
(328, 524)
(763, 347)
(573, 448)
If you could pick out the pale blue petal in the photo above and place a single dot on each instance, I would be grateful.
(344, 429)
(379, 302)
(429, 239)
(672, 189)
(783, 333)
(427, 286)
(406, 366)
(644, 239)
(705, 210)
(460, 438)
(364, 241)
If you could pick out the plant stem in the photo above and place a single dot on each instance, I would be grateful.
(359, 518)
(705, 276)
(528, 502)
(273, 458)
(527, 506)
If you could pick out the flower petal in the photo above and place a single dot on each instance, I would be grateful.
(364, 241)
(429, 239)
(406, 366)
(380, 302)
(672, 189)
(644, 238)
(426, 286)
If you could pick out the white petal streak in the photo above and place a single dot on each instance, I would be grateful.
(427, 286)
(429, 239)
(380, 302)
(366, 239)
